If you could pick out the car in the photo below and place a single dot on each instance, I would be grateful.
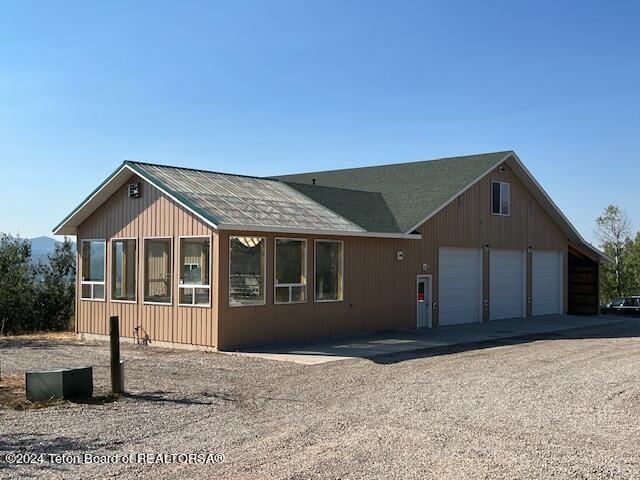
(623, 306)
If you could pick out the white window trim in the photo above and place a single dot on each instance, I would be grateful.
(193, 286)
(264, 273)
(93, 283)
(115, 239)
(315, 267)
(144, 270)
(500, 204)
(289, 285)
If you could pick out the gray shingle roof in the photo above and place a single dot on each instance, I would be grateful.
(366, 209)
(383, 200)
(387, 200)
(394, 197)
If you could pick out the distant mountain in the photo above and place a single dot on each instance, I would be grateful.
(41, 248)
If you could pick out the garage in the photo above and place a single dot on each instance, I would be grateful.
(547, 290)
(506, 284)
(460, 285)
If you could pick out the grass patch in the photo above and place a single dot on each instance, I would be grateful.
(44, 336)
(13, 396)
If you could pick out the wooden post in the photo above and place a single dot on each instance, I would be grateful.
(116, 372)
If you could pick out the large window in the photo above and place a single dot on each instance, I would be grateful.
(246, 270)
(195, 271)
(93, 266)
(329, 259)
(500, 198)
(157, 270)
(290, 271)
(123, 270)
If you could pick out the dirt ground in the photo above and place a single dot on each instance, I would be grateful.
(564, 405)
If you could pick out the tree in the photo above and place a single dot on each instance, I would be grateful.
(16, 285)
(632, 265)
(35, 297)
(613, 231)
(56, 290)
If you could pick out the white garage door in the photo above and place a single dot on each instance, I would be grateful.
(459, 285)
(506, 284)
(547, 282)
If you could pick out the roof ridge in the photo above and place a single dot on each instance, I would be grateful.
(201, 170)
(287, 182)
(505, 152)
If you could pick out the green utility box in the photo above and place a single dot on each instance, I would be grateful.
(59, 383)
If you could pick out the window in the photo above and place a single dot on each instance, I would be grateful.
(329, 270)
(500, 198)
(93, 266)
(157, 270)
(617, 302)
(246, 270)
(195, 271)
(123, 270)
(290, 271)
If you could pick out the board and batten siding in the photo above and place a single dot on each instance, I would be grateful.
(152, 215)
(379, 290)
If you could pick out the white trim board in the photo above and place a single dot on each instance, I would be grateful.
(111, 186)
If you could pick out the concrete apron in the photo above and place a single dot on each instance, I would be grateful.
(368, 346)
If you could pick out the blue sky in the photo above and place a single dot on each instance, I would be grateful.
(275, 87)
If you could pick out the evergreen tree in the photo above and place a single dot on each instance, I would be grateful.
(16, 285)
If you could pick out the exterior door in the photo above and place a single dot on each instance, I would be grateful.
(423, 301)
(506, 284)
(547, 277)
(459, 285)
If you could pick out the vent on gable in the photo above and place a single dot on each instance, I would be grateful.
(134, 190)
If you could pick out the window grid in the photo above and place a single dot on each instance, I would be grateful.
(290, 286)
(194, 287)
(93, 283)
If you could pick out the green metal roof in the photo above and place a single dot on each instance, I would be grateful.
(387, 200)
(237, 201)
(395, 197)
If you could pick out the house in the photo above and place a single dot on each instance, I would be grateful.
(203, 259)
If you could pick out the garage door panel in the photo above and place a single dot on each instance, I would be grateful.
(506, 284)
(459, 285)
(547, 278)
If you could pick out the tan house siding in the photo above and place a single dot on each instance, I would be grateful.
(468, 222)
(375, 295)
(152, 215)
(379, 290)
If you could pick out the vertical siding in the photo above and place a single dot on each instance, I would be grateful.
(152, 215)
(379, 291)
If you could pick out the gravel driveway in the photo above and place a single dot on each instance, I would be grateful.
(558, 406)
